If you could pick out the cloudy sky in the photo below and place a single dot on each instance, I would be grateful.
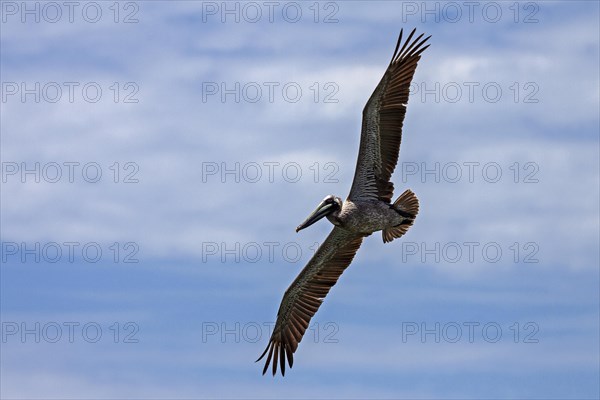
(156, 158)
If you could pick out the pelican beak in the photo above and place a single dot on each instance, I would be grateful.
(322, 210)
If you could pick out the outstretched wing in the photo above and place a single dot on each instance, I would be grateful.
(383, 117)
(304, 296)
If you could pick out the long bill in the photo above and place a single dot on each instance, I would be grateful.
(322, 210)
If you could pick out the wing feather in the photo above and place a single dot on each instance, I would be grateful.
(305, 295)
(383, 117)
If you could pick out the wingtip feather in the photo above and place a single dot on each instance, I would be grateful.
(270, 347)
(275, 358)
(397, 46)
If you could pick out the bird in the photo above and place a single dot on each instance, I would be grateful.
(367, 209)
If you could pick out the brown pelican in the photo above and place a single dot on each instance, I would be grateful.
(367, 209)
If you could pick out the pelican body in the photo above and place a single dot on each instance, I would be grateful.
(367, 209)
(365, 216)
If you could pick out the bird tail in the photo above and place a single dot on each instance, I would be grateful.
(406, 205)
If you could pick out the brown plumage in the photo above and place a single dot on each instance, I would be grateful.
(305, 295)
(383, 117)
(367, 209)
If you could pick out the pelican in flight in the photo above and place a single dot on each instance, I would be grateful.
(367, 209)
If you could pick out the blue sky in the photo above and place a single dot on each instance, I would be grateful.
(493, 293)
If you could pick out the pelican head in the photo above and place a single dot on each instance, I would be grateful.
(330, 205)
